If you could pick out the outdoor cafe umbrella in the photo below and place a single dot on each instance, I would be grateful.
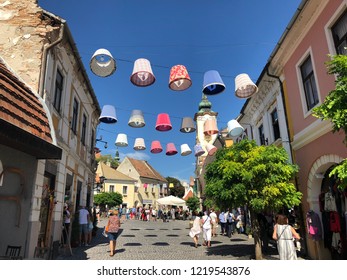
(171, 200)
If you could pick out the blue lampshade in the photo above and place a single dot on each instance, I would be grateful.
(213, 83)
(108, 114)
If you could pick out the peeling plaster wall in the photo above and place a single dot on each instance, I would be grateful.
(23, 34)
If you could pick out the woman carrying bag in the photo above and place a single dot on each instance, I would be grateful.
(113, 230)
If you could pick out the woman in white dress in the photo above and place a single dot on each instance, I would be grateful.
(196, 228)
(283, 233)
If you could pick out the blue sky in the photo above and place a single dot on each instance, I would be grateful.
(229, 36)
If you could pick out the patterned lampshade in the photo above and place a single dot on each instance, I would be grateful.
(244, 87)
(142, 75)
(179, 78)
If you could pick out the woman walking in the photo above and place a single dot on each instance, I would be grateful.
(113, 226)
(284, 235)
(206, 224)
(196, 228)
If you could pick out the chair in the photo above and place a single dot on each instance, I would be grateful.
(13, 252)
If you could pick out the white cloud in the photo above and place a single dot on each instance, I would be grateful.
(136, 155)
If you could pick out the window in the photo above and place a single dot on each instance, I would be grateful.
(58, 90)
(261, 135)
(92, 142)
(74, 116)
(309, 83)
(275, 125)
(111, 188)
(125, 190)
(339, 31)
(84, 129)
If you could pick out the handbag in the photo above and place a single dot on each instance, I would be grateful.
(107, 226)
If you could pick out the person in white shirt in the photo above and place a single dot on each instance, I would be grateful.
(214, 221)
(83, 219)
(206, 229)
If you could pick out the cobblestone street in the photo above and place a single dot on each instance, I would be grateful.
(156, 240)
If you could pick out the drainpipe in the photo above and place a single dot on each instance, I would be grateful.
(46, 48)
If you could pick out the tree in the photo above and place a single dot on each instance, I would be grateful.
(193, 203)
(108, 158)
(111, 199)
(334, 108)
(178, 189)
(256, 176)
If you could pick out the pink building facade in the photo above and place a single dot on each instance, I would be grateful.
(318, 28)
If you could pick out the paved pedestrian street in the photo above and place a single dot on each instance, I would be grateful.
(156, 240)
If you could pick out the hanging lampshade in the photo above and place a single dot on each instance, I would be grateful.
(136, 119)
(139, 144)
(171, 185)
(211, 149)
(156, 147)
(198, 150)
(102, 63)
(171, 149)
(142, 75)
(234, 128)
(179, 78)
(244, 87)
(210, 126)
(213, 83)
(163, 122)
(185, 150)
(108, 114)
(122, 140)
(187, 125)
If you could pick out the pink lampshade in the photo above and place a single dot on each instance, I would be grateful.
(171, 149)
(142, 75)
(211, 149)
(163, 122)
(179, 78)
(210, 127)
(156, 147)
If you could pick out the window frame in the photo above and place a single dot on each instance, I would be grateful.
(338, 42)
(275, 124)
(261, 134)
(309, 84)
(74, 117)
(58, 90)
(84, 129)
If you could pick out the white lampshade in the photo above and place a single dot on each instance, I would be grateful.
(102, 63)
(234, 128)
(122, 140)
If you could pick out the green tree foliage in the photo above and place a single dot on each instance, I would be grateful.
(111, 199)
(178, 189)
(193, 203)
(108, 158)
(334, 108)
(256, 176)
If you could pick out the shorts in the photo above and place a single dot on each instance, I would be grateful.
(112, 236)
(84, 228)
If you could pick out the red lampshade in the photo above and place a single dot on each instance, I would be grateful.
(163, 122)
(156, 147)
(179, 78)
(171, 149)
(210, 127)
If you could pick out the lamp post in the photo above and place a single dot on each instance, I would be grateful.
(100, 140)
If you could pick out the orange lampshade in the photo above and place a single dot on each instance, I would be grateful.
(210, 126)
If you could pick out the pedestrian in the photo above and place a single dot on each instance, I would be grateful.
(206, 229)
(113, 230)
(196, 228)
(222, 223)
(66, 227)
(83, 220)
(173, 214)
(264, 232)
(214, 220)
(284, 234)
(97, 211)
(230, 222)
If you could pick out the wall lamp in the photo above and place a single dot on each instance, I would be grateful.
(100, 185)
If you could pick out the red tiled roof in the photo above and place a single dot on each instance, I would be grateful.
(146, 170)
(20, 107)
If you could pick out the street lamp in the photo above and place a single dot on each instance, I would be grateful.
(100, 184)
(100, 140)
